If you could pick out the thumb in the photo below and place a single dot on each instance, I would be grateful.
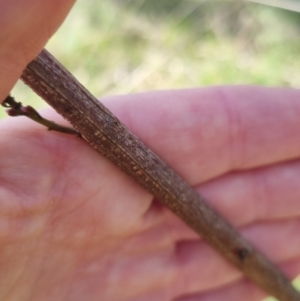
(25, 27)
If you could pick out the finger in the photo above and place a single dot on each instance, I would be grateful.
(25, 27)
(264, 194)
(203, 133)
(267, 193)
(200, 267)
(278, 240)
(242, 290)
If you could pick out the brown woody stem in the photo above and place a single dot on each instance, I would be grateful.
(99, 127)
(17, 109)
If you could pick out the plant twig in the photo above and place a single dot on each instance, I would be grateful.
(105, 133)
(17, 109)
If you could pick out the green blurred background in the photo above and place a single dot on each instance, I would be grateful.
(127, 46)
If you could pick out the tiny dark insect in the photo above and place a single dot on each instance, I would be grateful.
(242, 253)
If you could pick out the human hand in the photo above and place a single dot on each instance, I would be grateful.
(74, 227)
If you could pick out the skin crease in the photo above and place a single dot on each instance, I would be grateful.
(74, 227)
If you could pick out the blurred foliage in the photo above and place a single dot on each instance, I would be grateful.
(125, 46)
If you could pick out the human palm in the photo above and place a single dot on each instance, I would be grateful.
(74, 227)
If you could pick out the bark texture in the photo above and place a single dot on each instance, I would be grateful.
(105, 133)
